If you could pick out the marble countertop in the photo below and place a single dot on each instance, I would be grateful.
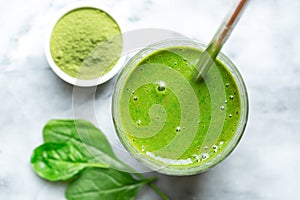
(265, 46)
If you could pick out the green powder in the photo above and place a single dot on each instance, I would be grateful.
(74, 40)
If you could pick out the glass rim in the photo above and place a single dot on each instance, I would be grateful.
(188, 170)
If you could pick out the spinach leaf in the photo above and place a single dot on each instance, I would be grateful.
(73, 145)
(85, 137)
(54, 161)
(104, 184)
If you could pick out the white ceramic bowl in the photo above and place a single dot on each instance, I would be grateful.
(62, 74)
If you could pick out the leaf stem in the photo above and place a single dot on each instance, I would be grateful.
(162, 195)
(156, 189)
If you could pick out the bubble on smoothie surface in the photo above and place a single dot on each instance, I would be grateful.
(231, 97)
(161, 86)
(205, 156)
(178, 129)
(197, 157)
(222, 107)
(135, 98)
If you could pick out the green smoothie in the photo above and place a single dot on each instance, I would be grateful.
(167, 118)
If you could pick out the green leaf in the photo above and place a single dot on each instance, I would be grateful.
(85, 137)
(104, 184)
(58, 161)
(73, 145)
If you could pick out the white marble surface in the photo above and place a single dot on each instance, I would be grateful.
(265, 46)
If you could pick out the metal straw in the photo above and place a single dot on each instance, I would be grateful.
(209, 55)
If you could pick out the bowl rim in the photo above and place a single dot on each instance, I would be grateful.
(64, 76)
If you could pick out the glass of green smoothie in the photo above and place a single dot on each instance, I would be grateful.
(172, 123)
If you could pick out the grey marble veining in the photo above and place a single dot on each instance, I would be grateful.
(265, 46)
